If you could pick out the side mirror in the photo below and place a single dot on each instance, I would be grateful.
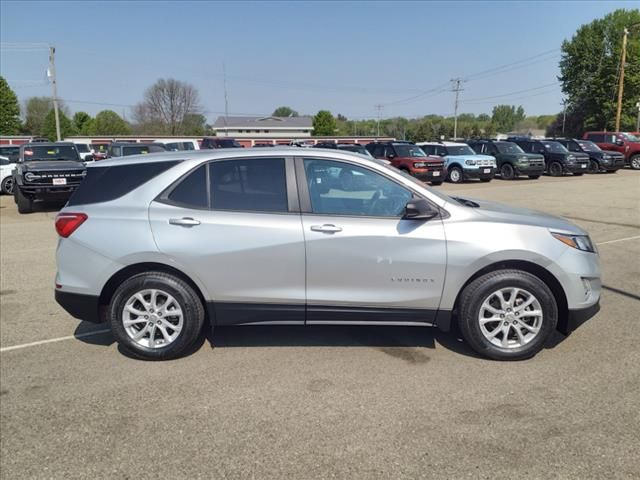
(419, 209)
(391, 156)
(620, 143)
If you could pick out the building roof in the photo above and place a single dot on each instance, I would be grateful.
(264, 122)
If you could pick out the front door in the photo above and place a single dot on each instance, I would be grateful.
(232, 224)
(364, 262)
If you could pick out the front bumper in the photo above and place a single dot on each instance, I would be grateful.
(529, 169)
(48, 191)
(426, 175)
(82, 307)
(480, 173)
(576, 167)
(577, 317)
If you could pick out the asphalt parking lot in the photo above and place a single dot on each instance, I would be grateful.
(327, 402)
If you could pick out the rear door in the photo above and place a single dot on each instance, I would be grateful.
(235, 224)
(364, 262)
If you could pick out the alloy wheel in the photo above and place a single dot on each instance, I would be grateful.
(152, 318)
(635, 162)
(455, 175)
(510, 317)
(8, 186)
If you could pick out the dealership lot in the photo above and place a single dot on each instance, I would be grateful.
(370, 402)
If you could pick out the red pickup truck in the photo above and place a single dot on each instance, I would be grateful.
(625, 143)
(410, 158)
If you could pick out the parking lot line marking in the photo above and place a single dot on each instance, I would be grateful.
(52, 340)
(619, 240)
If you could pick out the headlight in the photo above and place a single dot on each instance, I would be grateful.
(523, 160)
(30, 177)
(571, 158)
(419, 164)
(581, 242)
(469, 162)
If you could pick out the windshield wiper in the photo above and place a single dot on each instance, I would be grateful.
(465, 202)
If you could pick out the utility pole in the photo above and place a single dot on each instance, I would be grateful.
(638, 121)
(457, 89)
(379, 109)
(623, 59)
(564, 114)
(51, 73)
(226, 100)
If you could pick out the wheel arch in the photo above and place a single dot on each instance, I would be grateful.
(130, 270)
(534, 269)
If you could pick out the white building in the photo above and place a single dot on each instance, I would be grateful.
(267, 127)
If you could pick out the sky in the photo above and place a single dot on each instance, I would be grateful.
(346, 57)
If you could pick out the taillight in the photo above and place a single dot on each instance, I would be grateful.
(67, 223)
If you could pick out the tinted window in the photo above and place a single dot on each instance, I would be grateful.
(142, 149)
(338, 188)
(408, 151)
(192, 190)
(428, 149)
(378, 151)
(4, 162)
(115, 151)
(103, 184)
(254, 185)
(50, 152)
(508, 147)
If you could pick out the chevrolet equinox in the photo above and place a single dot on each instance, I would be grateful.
(160, 244)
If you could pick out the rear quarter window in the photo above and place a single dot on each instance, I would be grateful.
(103, 184)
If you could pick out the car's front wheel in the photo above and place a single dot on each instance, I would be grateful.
(507, 171)
(7, 186)
(555, 169)
(507, 314)
(594, 167)
(155, 315)
(634, 162)
(455, 175)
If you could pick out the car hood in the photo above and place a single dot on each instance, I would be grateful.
(470, 157)
(612, 153)
(507, 214)
(47, 165)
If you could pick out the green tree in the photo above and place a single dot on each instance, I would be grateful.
(324, 123)
(284, 112)
(506, 117)
(83, 123)
(9, 110)
(194, 124)
(108, 122)
(489, 130)
(589, 70)
(36, 109)
(49, 126)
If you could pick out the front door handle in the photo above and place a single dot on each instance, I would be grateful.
(184, 222)
(326, 228)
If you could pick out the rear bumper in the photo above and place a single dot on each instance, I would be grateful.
(82, 307)
(575, 318)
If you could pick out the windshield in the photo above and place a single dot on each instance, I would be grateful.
(355, 148)
(554, 147)
(142, 149)
(409, 151)
(588, 146)
(629, 137)
(459, 150)
(228, 144)
(508, 147)
(82, 147)
(50, 152)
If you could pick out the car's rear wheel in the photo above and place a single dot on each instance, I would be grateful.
(156, 316)
(507, 314)
(507, 172)
(25, 204)
(7, 186)
(634, 162)
(555, 169)
(455, 175)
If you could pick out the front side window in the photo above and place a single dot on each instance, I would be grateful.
(338, 188)
(408, 151)
(251, 185)
(555, 147)
(508, 147)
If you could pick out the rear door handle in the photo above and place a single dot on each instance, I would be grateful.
(184, 222)
(326, 228)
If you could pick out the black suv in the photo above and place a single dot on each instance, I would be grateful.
(219, 142)
(46, 171)
(599, 160)
(123, 149)
(558, 160)
(511, 160)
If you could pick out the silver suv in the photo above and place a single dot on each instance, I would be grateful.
(158, 245)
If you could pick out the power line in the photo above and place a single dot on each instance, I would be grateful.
(471, 100)
(507, 65)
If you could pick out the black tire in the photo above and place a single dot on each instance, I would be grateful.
(507, 172)
(25, 204)
(186, 298)
(555, 169)
(594, 166)
(634, 161)
(534, 177)
(579, 174)
(473, 296)
(456, 173)
(435, 184)
(7, 186)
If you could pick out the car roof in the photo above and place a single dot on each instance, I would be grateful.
(133, 144)
(48, 144)
(227, 154)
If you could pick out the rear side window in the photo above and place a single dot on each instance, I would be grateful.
(192, 190)
(252, 185)
(103, 184)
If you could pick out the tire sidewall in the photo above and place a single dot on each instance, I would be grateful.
(459, 175)
(555, 169)
(3, 187)
(635, 158)
(509, 170)
(485, 286)
(193, 316)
